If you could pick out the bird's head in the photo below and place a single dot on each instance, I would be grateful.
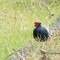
(37, 24)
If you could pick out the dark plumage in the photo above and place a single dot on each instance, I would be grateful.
(40, 33)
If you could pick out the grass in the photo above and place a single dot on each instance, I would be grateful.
(17, 22)
(31, 49)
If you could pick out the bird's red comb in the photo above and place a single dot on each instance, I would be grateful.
(36, 22)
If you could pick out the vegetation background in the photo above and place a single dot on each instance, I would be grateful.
(17, 19)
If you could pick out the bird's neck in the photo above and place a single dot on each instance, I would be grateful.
(39, 26)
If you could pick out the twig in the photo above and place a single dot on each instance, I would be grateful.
(52, 53)
(46, 5)
(15, 57)
(53, 2)
(19, 54)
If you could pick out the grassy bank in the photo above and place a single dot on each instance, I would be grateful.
(17, 22)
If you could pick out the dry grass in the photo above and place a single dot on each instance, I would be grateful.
(31, 49)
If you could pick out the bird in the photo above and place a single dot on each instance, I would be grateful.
(40, 32)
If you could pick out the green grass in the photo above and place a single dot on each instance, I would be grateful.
(17, 22)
